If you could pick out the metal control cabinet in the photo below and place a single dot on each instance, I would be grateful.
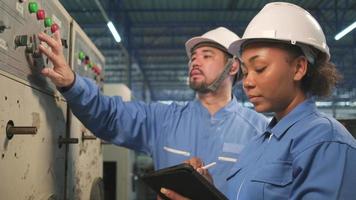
(46, 153)
(18, 38)
(33, 115)
(85, 159)
(32, 166)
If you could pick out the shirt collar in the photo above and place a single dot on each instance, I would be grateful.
(301, 111)
(232, 106)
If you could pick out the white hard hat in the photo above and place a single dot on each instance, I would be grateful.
(286, 22)
(222, 36)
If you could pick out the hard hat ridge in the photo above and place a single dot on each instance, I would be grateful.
(221, 36)
(287, 22)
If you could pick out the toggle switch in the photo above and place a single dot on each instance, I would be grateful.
(30, 42)
(64, 43)
(3, 26)
(21, 40)
(32, 7)
(32, 46)
(86, 60)
(41, 14)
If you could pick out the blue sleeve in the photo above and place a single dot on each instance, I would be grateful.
(135, 125)
(327, 171)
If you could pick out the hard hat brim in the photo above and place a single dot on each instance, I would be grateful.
(190, 44)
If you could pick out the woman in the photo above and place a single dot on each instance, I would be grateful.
(303, 154)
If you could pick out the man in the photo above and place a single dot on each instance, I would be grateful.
(213, 127)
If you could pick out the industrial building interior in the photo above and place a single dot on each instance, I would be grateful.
(151, 57)
(149, 64)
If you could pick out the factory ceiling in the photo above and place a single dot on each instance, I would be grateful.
(151, 57)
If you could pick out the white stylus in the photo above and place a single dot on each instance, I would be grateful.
(209, 165)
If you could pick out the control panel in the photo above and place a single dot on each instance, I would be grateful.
(20, 23)
(86, 59)
(33, 119)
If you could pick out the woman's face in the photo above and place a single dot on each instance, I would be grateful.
(272, 78)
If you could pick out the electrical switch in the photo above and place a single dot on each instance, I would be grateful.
(3, 26)
(48, 22)
(90, 65)
(54, 27)
(40, 14)
(97, 70)
(21, 40)
(86, 60)
(81, 55)
(33, 7)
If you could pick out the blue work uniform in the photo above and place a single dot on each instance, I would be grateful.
(171, 133)
(306, 155)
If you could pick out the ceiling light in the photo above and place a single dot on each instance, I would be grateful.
(114, 32)
(345, 31)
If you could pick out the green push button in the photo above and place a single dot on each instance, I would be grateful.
(90, 65)
(48, 22)
(81, 55)
(33, 7)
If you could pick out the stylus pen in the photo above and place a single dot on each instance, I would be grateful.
(209, 165)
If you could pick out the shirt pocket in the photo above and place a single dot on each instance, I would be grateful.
(172, 155)
(276, 178)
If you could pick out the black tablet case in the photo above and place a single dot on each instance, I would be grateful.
(184, 180)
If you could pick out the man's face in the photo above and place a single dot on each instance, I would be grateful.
(206, 64)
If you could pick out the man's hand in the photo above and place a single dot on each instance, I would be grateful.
(61, 74)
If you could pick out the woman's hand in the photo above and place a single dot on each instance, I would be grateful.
(198, 165)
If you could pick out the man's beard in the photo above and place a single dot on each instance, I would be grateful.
(201, 87)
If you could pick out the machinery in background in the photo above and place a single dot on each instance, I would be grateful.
(84, 177)
(33, 114)
(350, 125)
(118, 161)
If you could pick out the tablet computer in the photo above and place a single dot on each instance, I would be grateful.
(185, 180)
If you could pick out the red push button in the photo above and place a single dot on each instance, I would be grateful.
(97, 69)
(54, 28)
(40, 14)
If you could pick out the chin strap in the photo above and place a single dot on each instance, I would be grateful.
(215, 85)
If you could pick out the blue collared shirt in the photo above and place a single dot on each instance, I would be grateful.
(172, 133)
(306, 155)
